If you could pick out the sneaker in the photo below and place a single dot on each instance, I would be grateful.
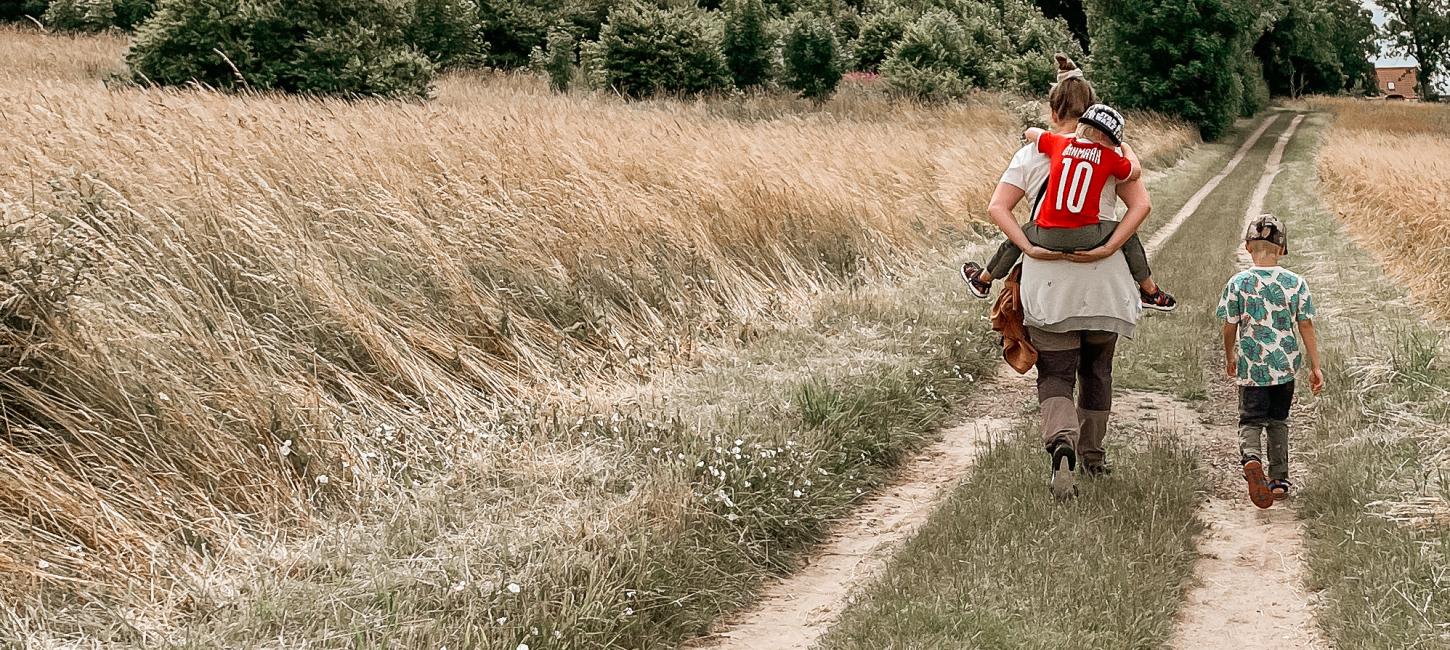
(978, 289)
(1258, 485)
(1280, 488)
(1160, 301)
(1064, 463)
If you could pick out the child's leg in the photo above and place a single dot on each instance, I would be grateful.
(1280, 399)
(1253, 418)
(1254, 406)
(1002, 262)
(1138, 264)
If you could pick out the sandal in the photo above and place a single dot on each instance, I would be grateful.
(1160, 301)
(979, 289)
(1259, 491)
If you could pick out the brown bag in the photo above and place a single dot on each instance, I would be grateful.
(1017, 350)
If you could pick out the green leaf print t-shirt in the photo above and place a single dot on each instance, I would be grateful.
(1266, 303)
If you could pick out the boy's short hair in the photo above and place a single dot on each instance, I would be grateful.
(1260, 246)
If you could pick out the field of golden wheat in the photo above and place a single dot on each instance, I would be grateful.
(236, 323)
(1387, 167)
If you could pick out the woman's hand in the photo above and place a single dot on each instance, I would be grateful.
(1040, 253)
(1093, 255)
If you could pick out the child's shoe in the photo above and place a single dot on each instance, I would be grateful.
(1259, 491)
(976, 287)
(1280, 488)
(1160, 301)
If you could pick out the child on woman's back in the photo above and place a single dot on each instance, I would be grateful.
(1075, 211)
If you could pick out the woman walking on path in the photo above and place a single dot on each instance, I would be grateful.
(1075, 306)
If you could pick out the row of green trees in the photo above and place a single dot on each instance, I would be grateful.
(1211, 61)
(929, 49)
(1206, 61)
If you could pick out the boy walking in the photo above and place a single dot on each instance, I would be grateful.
(1260, 310)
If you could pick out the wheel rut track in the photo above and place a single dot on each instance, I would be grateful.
(793, 612)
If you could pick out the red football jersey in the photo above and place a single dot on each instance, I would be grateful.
(1078, 172)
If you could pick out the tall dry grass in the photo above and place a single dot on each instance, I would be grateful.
(227, 316)
(1387, 167)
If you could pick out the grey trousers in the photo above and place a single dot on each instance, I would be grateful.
(1071, 240)
(1265, 409)
(1079, 362)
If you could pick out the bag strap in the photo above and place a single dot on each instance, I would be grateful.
(1037, 202)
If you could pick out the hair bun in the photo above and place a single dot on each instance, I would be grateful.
(1064, 64)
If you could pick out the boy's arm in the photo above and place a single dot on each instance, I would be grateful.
(1032, 134)
(1230, 349)
(1311, 347)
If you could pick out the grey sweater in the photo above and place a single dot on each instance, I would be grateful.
(1063, 296)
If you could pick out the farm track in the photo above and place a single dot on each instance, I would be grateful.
(794, 612)
(1250, 573)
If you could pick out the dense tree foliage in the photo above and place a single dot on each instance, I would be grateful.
(557, 59)
(1318, 46)
(1421, 29)
(1204, 60)
(330, 47)
(79, 15)
(1183, 57)
(812, 57)
(446, 31)
(646, 50)
(880, 32)
(748, 42)
(1071, 12)
(958, 45)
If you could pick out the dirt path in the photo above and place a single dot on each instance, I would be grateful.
(794, 612)
(1250, 572)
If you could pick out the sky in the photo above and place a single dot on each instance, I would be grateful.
(1379, 19)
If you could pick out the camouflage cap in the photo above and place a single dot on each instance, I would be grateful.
(1267, 227)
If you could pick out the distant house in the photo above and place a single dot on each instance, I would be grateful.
(1400, 82)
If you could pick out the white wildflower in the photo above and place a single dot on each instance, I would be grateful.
(513, 588)
(321, 479)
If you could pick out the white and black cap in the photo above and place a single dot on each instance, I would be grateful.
(1106, 119)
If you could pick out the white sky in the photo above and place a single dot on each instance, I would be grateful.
(1379, 19)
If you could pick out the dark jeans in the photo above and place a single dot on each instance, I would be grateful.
(1071, 240)
(1266, 409)
(1081, 362)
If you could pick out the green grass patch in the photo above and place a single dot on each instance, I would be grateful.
(1004, 565)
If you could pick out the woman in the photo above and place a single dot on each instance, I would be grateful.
(1075, 305)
